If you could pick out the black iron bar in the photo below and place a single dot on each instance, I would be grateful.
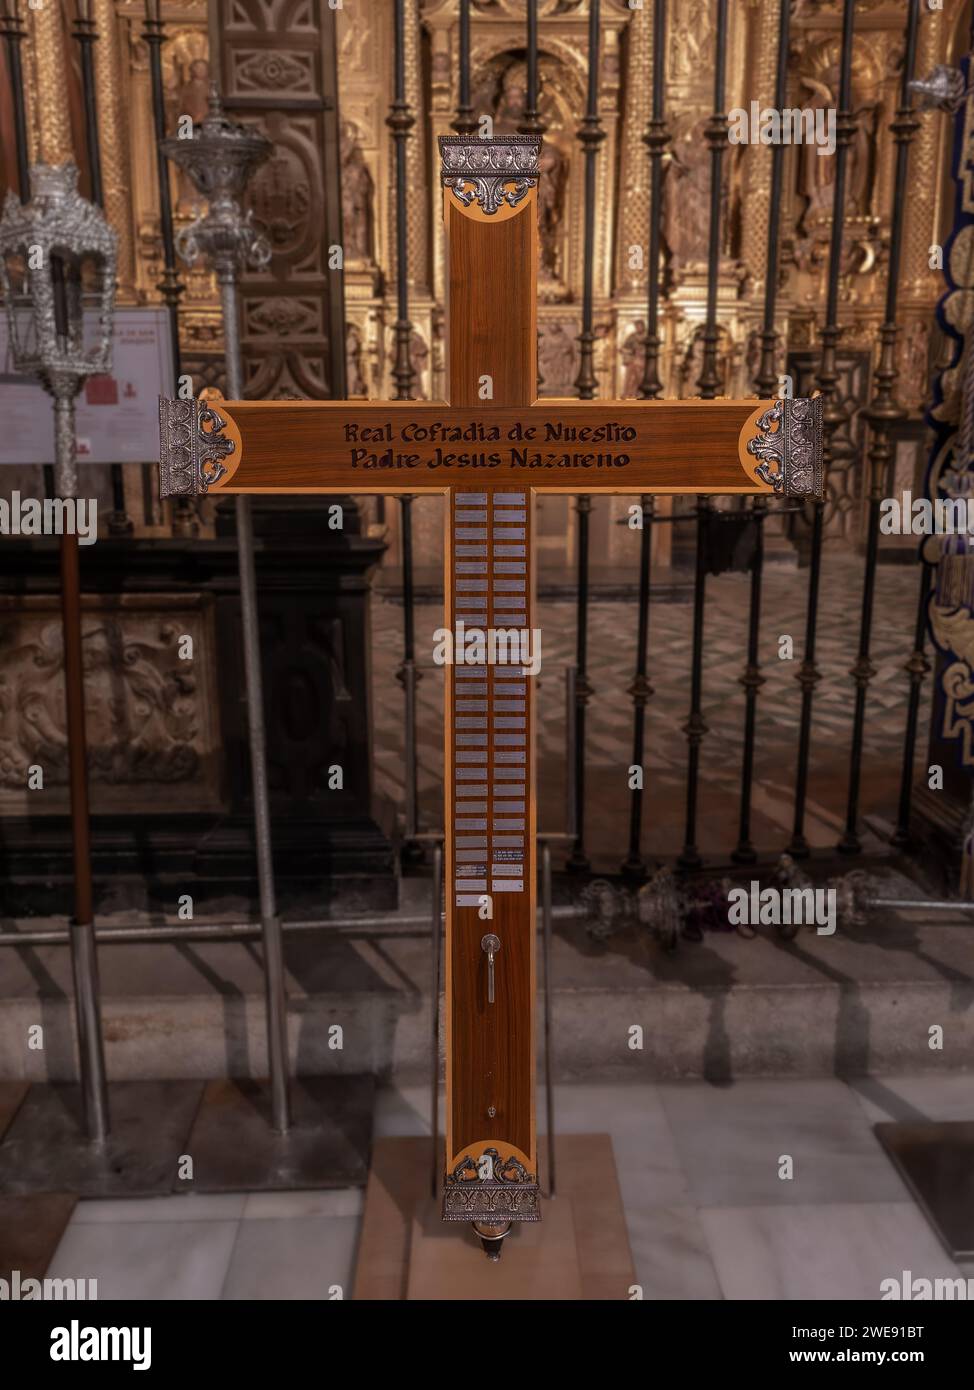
(408, 674)
(401, 121)
(184, 518)
(464, 124)
(881, 413)
(634, 865)
(591, 136)
(695, 727)
(834, 415)
(532, 124)
(716, 136)
(582, 690)
(916, 668)
(765, 381)
(656, 140)
(14, 33)
(752, 681)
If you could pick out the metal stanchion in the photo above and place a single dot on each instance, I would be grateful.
(546, 953)
(436, 932)
(219, 159)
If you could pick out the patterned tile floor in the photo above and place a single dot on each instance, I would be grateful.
(612, 637)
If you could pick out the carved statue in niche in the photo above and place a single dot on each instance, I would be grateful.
(280, 197)
(355, 361)
(187, 94)
(816, 174)
(551, 212)
(633, 353)
(502, 90)
(557, 356)
(691, 31)
(914, 356)
(686, 198)
(358, 192)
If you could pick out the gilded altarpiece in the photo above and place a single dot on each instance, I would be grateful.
(267, 49)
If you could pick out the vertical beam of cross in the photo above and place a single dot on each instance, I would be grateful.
(492, 247)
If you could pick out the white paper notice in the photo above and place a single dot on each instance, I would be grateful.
(117, 416)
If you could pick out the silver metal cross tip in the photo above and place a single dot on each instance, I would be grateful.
(490, 172)
(788, 447)
(192, 447)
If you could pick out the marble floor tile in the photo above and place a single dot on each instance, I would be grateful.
(649, 1167)
(189, 1206)
(148, 1259)
(403, 1110)
(296, 1258)
(820, 1252)
(671, 1253)
(912, 1098)
(284, 1206)
(731, 1139)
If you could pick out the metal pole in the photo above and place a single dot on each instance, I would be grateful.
(84, 961)
(185, 521)
(276, 998)
(546, 952)
(436, 931)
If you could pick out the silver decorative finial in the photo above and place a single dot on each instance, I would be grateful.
(942, 90)
(490, 172)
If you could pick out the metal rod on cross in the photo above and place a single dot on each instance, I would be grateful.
(220, 158)
(488, 458)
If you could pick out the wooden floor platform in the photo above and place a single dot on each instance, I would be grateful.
(579, 1249)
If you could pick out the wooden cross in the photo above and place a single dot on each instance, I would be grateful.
(488, 452)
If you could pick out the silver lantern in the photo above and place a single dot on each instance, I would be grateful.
(57, 275)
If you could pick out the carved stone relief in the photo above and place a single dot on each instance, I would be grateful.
(153, 731)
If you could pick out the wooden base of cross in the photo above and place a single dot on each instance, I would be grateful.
(489, 452)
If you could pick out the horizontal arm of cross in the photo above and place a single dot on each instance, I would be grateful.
(675, 446)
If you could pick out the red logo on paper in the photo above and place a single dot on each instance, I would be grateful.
(101, 390)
